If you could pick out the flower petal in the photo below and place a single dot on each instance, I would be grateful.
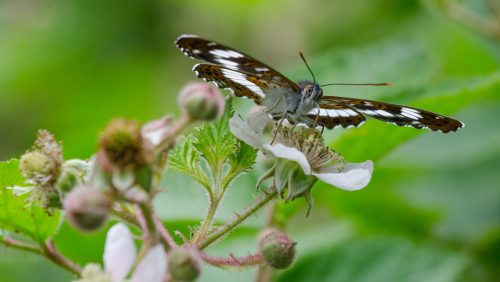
(242, 131)
(119, 252)
(153, 267)
(258, 120)
(284, 152)
(354, 176)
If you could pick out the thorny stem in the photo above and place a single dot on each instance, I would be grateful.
(46, 249)
(167, 240)
(239, 218)
(232, 260)
(214, 198)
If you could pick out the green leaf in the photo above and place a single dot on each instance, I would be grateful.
(214, 141)
(187, 160)
(242, 159)
(32, 221)
(379, 259)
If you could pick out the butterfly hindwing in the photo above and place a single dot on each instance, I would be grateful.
(221, 55)
(399, 115)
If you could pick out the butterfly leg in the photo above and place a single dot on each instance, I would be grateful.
(280, 123)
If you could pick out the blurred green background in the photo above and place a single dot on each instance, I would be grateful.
(432, 210)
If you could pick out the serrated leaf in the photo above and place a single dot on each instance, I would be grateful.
(214, 141)
(379, 259)
(15, 216)
(242, 159)
(186, 159)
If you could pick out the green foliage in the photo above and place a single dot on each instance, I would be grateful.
(213, 145)
(15, 215)
(379, 259)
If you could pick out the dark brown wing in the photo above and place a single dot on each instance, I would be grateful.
(331, 115)
(396, 114)
(224, 56)
(242, 84)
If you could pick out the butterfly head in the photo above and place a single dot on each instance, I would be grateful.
(311, 90)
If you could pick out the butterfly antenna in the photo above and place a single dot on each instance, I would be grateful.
(307, 65)
(360, 84)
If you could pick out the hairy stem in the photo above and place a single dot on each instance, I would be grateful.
(239, 218)
(232, 260)
(166, 239)
(207, 222)
(169, 137)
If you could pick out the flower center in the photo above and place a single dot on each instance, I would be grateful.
(310, 142)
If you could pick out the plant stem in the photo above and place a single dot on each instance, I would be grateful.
(207, 222)
(9, 242)
(239, 218)
(50, 251)
(46, 249)
(167, 240)
(176, 129)
(149, 232)
(232, 260)
(125, 215)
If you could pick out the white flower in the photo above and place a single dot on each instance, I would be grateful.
(120, 255)
(306, 150)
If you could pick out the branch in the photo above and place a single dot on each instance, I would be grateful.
(239, 218)
(50, 251)
(9, 242)
(46, 249)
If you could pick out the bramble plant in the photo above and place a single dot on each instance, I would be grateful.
(122, 178)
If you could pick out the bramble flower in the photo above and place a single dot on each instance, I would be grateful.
(120, 257)
(301, 158)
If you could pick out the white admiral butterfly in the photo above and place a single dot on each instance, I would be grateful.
(299, 103)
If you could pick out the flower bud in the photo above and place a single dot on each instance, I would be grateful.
(202, 101)
(87, 208)
(122, 144)
(184, 263)
(277, 249)
(33, 164)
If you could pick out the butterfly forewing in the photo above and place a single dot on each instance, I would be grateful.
(221, 55)
(396, 114)
(242, 84)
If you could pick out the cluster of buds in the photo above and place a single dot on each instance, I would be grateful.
(41, 167)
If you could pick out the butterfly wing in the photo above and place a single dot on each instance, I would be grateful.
(241, 84)
(396, 114)
(229, 58)
(331, 115)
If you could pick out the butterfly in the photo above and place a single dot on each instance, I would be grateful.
(302, 102)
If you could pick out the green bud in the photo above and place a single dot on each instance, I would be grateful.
(277, 249)
(68, 180)
(87, 208)
(34, 164)
(184, 263)
(202, 101)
